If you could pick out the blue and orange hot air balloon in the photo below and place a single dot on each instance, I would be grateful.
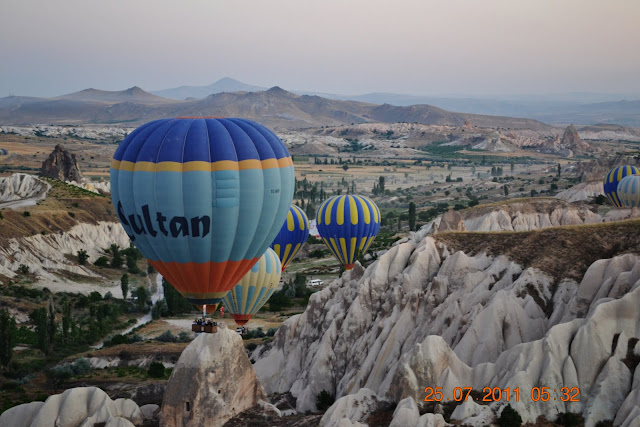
(255, 288)
(348, 225)
(611, 180)
(292, 235)
(202, 198)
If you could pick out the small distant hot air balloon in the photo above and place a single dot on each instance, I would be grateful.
(292, 235)
(347, 225)
(255, 288)
(613, 178)
(202, 198)
(629, 191)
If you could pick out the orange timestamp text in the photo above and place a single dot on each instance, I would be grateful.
(495, 394)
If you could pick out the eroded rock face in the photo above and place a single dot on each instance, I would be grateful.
(21, 186)
(62, 165)
(212, 382)
(81, 406)
(451, 221)
(422, 316)
(572, 141)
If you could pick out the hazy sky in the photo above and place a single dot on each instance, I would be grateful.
(342, 46)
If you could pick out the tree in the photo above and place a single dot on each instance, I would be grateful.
(324, 400)
(141, 297)
(7, 336)
(103, 261)
(509, 417)
(300, 282)
(67, 320)
(40, 319)
(506, 190)
(512, 167)
(279, 301)
(399, 224)
(23, 269)
(345, 167)
(156, 370)
(412, 216)
(82, 257)
(51, 323)
(124, 285)
(559, 170)
(381, 184)
(116, 261)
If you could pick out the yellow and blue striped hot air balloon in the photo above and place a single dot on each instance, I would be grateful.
(629, 191)
(292, 235)
(611, 180)
(347, 225)
(255, 288)
(202, 198)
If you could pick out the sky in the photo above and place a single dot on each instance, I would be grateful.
(422, 47)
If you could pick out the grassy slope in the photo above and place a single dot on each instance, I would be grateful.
(563, 252)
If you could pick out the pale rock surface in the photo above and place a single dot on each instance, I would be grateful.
(21, 186)
(451, 221)
(215, 378)
(431, 420)
(585, 191)
(406, 413)
(45, 254)
(149, 411)
(421, 315)
(76, 407)
(352, 407)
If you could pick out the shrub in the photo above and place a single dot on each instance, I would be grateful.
(26, 213)
(103, 261)
(509, 417)
(95, 296)
(81, 366)
(271, 331)
(569, 419)
(184, 336)
(82, 257)
(166, 336)
(324, 400)
(156, 370)
(251, 346)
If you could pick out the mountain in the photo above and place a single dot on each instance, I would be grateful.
(275, 107)
(225, 84)
(133, 94)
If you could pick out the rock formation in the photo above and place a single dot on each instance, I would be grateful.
(212, 382)
(20, 186)
(62, 165)
(572, 141)
(424, 315)
(76, 407)
(451, 221)
(585, 191)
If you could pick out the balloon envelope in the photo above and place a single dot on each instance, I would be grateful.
(292, 235)
(613, 178)
(255, 288)
(202, 199)
(347, 225)
(629, 191)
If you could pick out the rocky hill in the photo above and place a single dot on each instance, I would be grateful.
(472, 310)
(21, 190)
(274, 107)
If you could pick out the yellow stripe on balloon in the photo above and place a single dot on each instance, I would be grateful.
(290, 224)
(343, 246)
(340, 212)
(287, 250)
(362, 242)
(336, 251)
(365, 209)
(353, 208)
(221, 165)
(327, 212)
(301, 223)
(276, 249)
(352, 245)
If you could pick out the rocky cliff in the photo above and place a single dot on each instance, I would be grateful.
(79, 407)
(62, 165)
(212, 382)
(427, 315)
(21, 187)
(572, 141)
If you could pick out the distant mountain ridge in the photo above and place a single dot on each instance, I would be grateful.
(226, 84)
(274, 107)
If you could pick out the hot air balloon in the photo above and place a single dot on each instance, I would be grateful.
(348, 225)
(613, 177)
(629, 191)
(202, 198)
(292, 235)
(255, 288)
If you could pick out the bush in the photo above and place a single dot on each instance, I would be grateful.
(509, 417)
(271, 331)
(324, 400)
(26, 213)
(23, 269)
(156, 370)
(166, 336)
(251, 346)
(184, 336)
(81, 366)
(82, 257)
(95, 296)
(103, 261)
(569, 419)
